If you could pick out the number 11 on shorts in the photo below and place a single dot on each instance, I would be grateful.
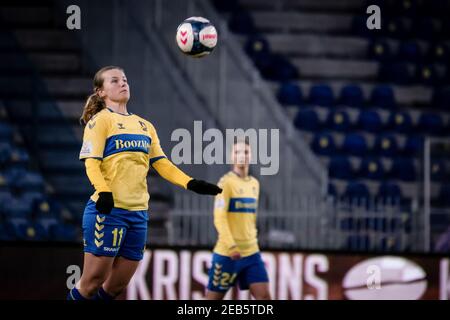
(116, 232)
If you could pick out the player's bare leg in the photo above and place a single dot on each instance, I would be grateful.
(95, 271)
(260, 291)
(120, 275)
(213, 295)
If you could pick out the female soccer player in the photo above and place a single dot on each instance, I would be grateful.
(236, 256)
(118, 148)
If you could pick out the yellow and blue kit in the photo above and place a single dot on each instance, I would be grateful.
(118, 151)
(235, 221)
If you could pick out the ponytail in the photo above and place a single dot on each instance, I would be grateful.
(94, 104)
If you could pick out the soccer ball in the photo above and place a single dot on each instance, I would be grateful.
(196, 37)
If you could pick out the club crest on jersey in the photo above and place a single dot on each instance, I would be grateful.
(120, 126)
(143, 126)
(92, 125)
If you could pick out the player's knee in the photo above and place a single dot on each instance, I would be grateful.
(263, 295)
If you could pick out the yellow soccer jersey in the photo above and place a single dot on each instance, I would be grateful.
(235, 215)
(127, 145)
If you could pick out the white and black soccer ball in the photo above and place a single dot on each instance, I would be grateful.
(196, 36)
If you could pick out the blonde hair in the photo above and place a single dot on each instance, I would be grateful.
(94, 103)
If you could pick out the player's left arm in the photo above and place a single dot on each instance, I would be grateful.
(172, 173)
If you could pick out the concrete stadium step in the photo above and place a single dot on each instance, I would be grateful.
(49, 109)
(48, 39)
(62, 159)
(336, 68)
(302, 22)
(76, 184)
(405, 95)
(318, 45)
(29, 16)
(310, 5)
(44, 62)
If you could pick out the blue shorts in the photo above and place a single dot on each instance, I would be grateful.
(225, 272)
(120, 233)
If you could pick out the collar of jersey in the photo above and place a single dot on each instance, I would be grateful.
(126, 115)
(247, 178)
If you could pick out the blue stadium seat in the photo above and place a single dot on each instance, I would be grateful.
(4, 234)
(356, 192)
(323, 144)
(427, 28)
(30, 182)
(383, 96)
(308, 120)
(3, 182)
(332, 191)
(19, 157)
(386, 145)
(427, 75)
(358, 242)
(6, 132)
(380, 50)
(338, 120)
(389, 193)
(19, 207)
(321, 95)
(438, 170)
(389, 244)
(398, 72)
(395, 27)
(5, 154)
(369, 120)
(256, 45)
(45, 207)
(63, 232)
(354, 144)
(290, 94)
(5, 198)
(371, 168)
(400, 122)
(409, 51)
(438, 52)
(430, 123)
(444, 195)
(340, 168)
(275, 67)
(352, 95)
(32, 231)
(413, 146)
(441, 98)
(241, 22)
(403, 169)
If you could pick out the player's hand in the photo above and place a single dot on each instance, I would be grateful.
(203, 187)
(105, 202)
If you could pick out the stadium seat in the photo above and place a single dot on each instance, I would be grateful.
(438, 52)
(389, 193)
(6, 132)
(63, 232)
(356, 192)
(256, 45)
(409, 51)
(383, 96)
(403, 169)
(332, 191)
(44, 207)
(290, 94)
(395, 27)
(4, 234)
(3, 182)
(428, 75)
(369, 120)
(441, 98)
(358, 242)
(338, 120)
(5, 154)
(430, 123)
(413, 146)
(354, 144)
(30, 182)
(385, 145)
(398, 72)
(371, 168)
(352, 96)
(444, 194)
(380, 50)
(321, 95)
(19, 207)
(389, 244)
(400, 121)
(275, 67)
(241, 22)
(31, 231)
(308, 120)
(19, 157)
(323, 144)
(438, 170)
(340, 168)
(427, 28)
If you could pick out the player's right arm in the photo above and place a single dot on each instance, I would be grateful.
(221, 203)
(94, 139)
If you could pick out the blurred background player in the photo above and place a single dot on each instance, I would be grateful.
(236, 257)
(118, 148)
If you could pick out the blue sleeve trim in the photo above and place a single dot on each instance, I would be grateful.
(153, 160)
